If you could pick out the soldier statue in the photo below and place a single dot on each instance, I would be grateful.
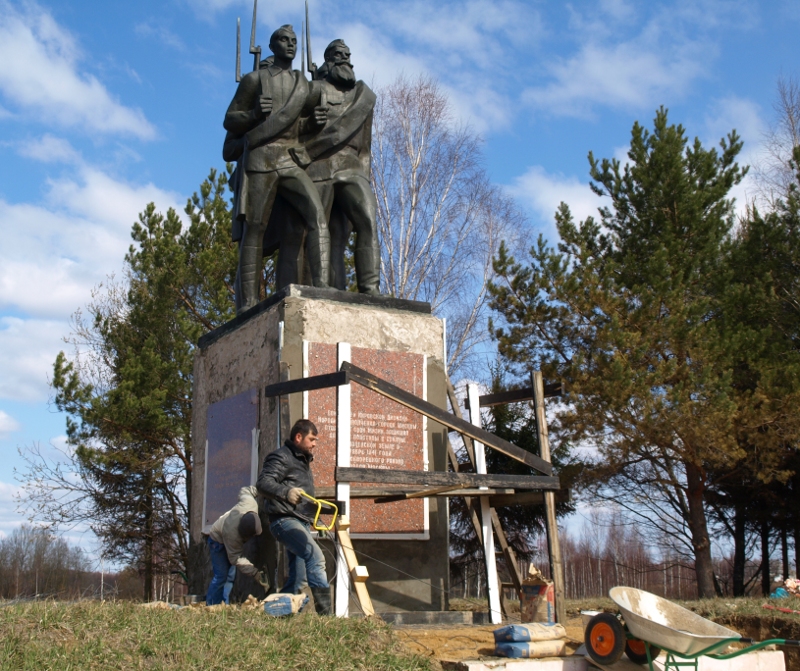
(266, 113)
(337, 155)
(301, 184)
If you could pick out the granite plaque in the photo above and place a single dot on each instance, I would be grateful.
(383, 434)
(232, 424)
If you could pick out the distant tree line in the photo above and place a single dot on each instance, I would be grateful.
(35, 563)
(608, 551)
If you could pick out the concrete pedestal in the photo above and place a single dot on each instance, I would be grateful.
(303, 331)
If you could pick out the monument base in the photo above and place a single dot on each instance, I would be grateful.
(302, 332)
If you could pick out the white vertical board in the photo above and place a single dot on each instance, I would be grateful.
(280, 358)
(254, 457)
(305, 374)
(206, 528)
(342, 605)
(492, 584)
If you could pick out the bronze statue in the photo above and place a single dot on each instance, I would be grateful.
(266, 112)
(337, 155)
(301, 184)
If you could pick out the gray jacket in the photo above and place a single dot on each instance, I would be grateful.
(226, 530)
(283, 469)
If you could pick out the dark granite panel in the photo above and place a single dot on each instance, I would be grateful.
(230, 438)
(384, 434)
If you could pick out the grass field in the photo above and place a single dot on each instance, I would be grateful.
(125, 636)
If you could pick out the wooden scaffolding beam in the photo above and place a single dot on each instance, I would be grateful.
(553, 544)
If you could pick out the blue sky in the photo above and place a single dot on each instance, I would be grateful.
(106, 106)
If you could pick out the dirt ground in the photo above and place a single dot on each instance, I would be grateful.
(449, 643)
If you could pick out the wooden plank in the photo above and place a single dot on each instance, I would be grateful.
(443, 479)
(417, 495)
(445, 418)
(452, 459)
(508, 552)
(503, 493)
(518, 395)
(346, 546)
(501, 499)
(471, 503)
(554, 546)
(287, 386)
(451, 395)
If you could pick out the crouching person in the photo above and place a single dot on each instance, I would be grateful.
(226, 542)
(285, 474)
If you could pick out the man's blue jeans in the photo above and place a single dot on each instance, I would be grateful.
(301, 547)
(224, 574)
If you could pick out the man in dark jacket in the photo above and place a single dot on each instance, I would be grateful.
(286, 473)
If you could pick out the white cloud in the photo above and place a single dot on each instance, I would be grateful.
(620, 10)
(473, 34)
(161, 34)
(41, 75)
(53, 254)
(10, 519)
(49, 149)
(8, 425)
(28, 348)
(737, 113)
(61, 447)
(543, 192)
(624, 75)
(379, 60)
(745, 116)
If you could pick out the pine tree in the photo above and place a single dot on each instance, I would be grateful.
(627, 311)
(127, 391)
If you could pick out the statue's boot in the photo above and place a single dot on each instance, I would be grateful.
(322, 600)
(368, 266)
(318, 247)
(248, 277)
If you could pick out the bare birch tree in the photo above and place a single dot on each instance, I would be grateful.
(440, 219)
(774, 172)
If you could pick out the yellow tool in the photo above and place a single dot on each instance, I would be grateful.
(320, 502)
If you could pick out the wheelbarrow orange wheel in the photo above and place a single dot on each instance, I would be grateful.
(637, 651)
(604, 638)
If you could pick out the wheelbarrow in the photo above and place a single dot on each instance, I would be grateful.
(648, 624)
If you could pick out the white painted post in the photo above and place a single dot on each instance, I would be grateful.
(254, 467)
(305, 374)
(342, 607)
(492, 585)
(206, 527)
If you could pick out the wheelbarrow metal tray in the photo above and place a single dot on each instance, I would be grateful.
(667, 625)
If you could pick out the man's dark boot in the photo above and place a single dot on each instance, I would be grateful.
(322, 600)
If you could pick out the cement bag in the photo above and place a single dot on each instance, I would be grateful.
(537, 598)
(279, 605)
(537, 631)
(532, 650)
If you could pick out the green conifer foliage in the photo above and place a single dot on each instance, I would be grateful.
(128, 390)
(630, 311)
